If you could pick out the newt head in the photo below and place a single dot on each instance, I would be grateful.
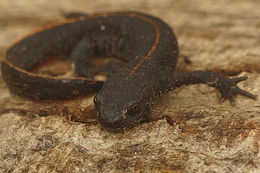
(120, 104)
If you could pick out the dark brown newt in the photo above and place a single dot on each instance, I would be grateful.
(145, 42)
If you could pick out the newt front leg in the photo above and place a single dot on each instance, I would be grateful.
(226, 86)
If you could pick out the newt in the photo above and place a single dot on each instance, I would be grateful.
(145, 42)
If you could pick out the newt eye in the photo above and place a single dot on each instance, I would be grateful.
(133, 110)
(95, 100)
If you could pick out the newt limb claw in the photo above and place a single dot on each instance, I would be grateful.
(244, 93)
(239, 79)
(233, 90)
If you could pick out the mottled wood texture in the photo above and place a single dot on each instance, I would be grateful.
(188, 130)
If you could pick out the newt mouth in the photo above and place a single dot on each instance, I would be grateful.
(120, 124)
(118, 127)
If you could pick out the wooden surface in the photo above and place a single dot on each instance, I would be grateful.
(188, 130)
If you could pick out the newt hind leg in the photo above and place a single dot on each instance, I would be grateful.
(80, 56)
